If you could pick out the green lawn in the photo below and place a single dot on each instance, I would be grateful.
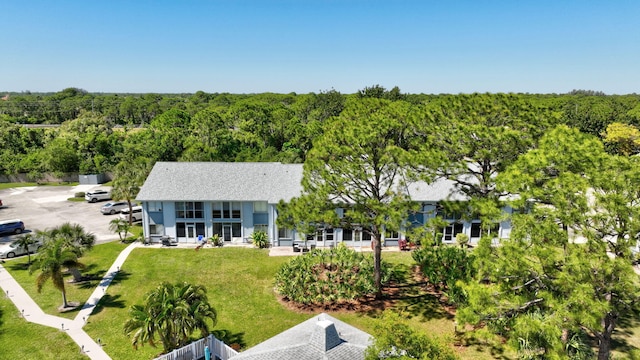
(98, 261)
(25, 184)
(20, 339)
(14, 185)
(240, 286)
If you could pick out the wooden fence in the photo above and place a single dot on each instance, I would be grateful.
(195, 350)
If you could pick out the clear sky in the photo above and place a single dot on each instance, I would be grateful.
(251, 46)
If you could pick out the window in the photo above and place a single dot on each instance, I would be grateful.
(451, 231)
(189, 210)
(285, 233)
(475, 230)
(156, 229)
(236, 229)
(226, 210)
(261, 227)
(328, 234)
(347, 234)
(260, 207)
(391, 235)
(154, 206)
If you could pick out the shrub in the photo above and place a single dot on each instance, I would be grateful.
(216, 240)
(395, 339)
(260, 239)
(328, 276)
(79, 194)
(462, 239)
(443, 266)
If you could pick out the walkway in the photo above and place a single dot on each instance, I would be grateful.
(32, 312)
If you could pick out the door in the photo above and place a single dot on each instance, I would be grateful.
(191, 233)
(226, 232)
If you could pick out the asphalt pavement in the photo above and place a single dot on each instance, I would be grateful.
(45, 207)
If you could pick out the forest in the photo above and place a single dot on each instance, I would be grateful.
(76, 131)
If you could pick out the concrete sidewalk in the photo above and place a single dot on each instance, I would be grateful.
(32, 312)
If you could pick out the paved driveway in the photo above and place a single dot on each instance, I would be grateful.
(45, 207)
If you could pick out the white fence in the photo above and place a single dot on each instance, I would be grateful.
(195, 350)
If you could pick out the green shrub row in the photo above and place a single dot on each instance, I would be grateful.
(328, 276)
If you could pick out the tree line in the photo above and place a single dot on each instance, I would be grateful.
(98, 131)
(563, 281)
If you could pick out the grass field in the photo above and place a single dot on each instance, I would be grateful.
(98, 261)
(240, 286)
(20, 339)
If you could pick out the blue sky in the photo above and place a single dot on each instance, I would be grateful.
(243, 46)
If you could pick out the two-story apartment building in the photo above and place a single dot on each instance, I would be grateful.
(186, 200)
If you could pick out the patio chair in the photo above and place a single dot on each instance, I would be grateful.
(166, 241)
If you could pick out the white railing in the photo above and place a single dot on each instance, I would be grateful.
(195, 350)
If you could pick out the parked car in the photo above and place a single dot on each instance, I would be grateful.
(12, 249)
(136, 214)
(0, 202)
(113, 207)
(96, 195)
(14, 226)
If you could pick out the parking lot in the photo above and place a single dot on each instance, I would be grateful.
(45, 207)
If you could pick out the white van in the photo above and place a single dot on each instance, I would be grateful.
(136, 214)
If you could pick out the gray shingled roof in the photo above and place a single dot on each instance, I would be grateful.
(222, 181)
(250, 181)
(319, 338)
(439, 190)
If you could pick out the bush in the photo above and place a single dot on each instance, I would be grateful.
(328, 276)
(216, 240)
(79, 194)
(395, 339)
(260, 239)
(443, 266)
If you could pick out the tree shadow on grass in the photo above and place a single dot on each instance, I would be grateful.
(623, 332)
(409, 293)
(120, 276)
(18, 266)
(98, 281)
(426, 305)
(109, 301)
(497, 351)
(234, 340)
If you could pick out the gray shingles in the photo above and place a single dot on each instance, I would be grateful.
(221, 181)
(304, 342)
(250, 181)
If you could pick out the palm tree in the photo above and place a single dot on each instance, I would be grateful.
(120, 227)
(75, 238)
(54, 256)
(129, 176)
(25, 241)
(172, 312)
(142, 324)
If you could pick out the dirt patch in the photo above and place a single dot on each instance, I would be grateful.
(71, 305)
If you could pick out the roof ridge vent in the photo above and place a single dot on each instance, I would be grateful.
(325, 336)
